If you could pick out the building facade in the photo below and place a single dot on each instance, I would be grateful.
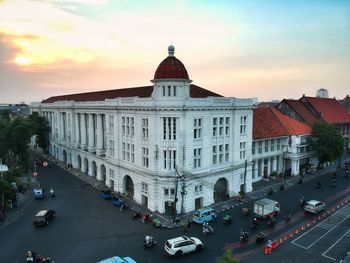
(169, 145)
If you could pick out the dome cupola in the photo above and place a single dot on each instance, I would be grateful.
(171, 67)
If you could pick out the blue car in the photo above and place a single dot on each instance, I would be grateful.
(106, 194)
(117, 260)
(38, 193)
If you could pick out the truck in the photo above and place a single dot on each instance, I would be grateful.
(265, 208)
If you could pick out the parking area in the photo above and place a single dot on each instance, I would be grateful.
(330, 238)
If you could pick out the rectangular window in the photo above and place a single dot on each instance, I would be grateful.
(253, 148)
(242, 150)
(169, 91)
(169, 159)
(144, 128)
(128, 126)
(266, 146)
(123, 126)
(197, 129)
(221, 153)
(260, 147)
(145, 157)
(169, 128)
(272, 145)
(111, 148)
(174, 87)
(278, 144)
(215, 127)
(197, 155)
(111, 125)
(124, 151)
(111, 173)
(164, 93)
(227, 152)
(243, 127)
(144, 188)
(215, 154)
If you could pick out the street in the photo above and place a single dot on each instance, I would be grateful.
(88, 228)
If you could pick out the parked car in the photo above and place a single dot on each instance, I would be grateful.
(117, 260)
(39, 193)
(314, 206)
(43, 217)
(183, 245)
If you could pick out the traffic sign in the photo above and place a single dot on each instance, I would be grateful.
(35, 174)
(45, 163)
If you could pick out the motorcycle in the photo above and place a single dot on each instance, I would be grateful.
(207, 230)
(227, 219)
(255, 224)
(346, 173)
(244, 236)
(136, 215)
(288, 217)
(33, 257)
(260, 237)
(52, 192)
(149, 242)
(302, 202)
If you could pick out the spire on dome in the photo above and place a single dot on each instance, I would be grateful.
(171, 51)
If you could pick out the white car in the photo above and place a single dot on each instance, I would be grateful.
(183, 245)
(314, 206)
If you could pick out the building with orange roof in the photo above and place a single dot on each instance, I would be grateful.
(279, 144)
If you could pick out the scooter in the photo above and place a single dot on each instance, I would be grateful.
(150, 243)
(207, 230)
(288, 217)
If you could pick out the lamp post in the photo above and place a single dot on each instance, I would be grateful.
(175, 200)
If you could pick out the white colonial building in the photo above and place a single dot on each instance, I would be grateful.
(157, 142)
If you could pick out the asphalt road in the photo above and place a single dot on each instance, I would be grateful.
(87, 228)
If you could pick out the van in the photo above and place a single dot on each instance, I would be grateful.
(205, 214)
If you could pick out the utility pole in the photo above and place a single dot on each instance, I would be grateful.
(175, 200)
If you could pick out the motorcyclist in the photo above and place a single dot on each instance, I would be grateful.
(52, 192)
(148, 239)
(347, 172)
(244, 235)
(302, 201)
(255, 223)
(318, 185)
(271, 221)
(333, 182)
(29, 258)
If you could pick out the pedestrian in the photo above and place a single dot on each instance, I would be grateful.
(188, 224)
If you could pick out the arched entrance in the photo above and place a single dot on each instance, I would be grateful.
(86, 166)
(64, 153)
(103, 173)
(94, 168)
(221, 190)
(128, 186)
(79, 162)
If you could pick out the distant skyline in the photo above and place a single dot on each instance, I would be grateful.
(238, 48)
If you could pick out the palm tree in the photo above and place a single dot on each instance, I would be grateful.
(228, 257)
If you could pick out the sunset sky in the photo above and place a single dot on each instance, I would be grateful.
(238, 48)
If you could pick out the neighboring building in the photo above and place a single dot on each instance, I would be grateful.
(310, 110)
(346, 103)
(155, 141)
(279, 144)
(322, 93)
(15, 110)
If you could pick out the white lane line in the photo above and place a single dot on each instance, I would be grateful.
(293, 242)
(324, 253)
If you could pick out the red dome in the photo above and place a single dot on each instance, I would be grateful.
(171, 68)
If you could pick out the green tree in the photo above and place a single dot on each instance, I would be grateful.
(41, 128)
(228, 257)
(5, 115)
(327, 141)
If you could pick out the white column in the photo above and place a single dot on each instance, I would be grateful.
(83, 145)
(99, 148)
(261, 168)
(77, 134)
(91, 132)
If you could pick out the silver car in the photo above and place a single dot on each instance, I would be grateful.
(314, 206)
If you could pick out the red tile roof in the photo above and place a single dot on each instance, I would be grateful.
(302, 111)
(268, 122)
(171, 68)
(331, 111)
(142, 92)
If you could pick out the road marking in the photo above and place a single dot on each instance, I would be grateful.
(324, 227)
(324, 253)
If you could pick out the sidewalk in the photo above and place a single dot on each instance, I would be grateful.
(23, 200)
(260, 190)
